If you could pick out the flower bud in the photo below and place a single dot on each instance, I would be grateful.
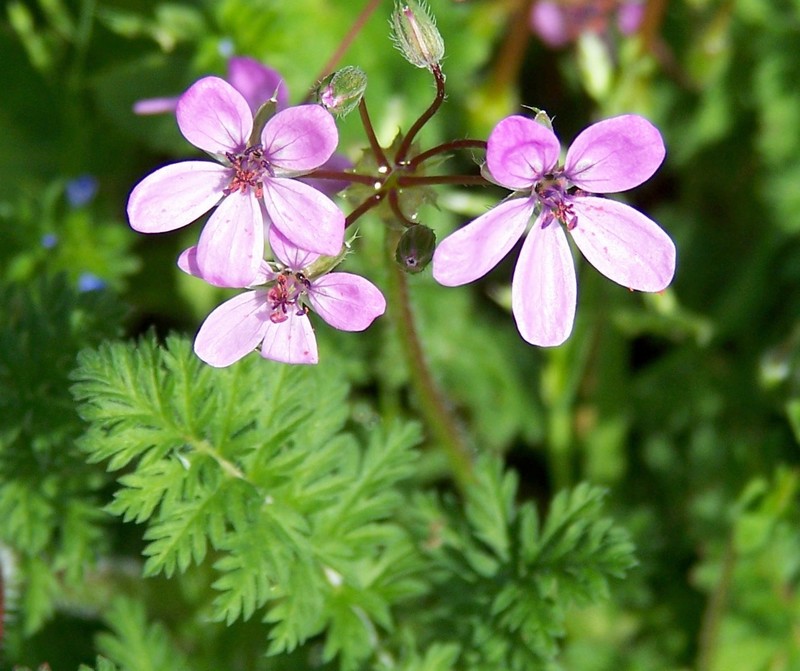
(415, 34)
(415, 249)
(341, 91)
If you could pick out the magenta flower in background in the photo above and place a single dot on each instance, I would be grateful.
(276, 316)
(255, 81)
(559, 22)
(251, 181)
(623, 244)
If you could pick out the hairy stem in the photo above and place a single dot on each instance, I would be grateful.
(424, 118)
(712, 617)
(444, 148)
(363, 208)
(435, 410)
(369, 129)
(355, 29)
(342, 175)
(419, 180)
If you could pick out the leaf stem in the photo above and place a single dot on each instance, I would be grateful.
(435, 410)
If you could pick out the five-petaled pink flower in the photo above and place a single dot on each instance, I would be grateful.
(624, 245)
(253, 187)
(275, 316)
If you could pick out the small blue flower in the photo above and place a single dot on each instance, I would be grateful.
(90, 282)
(49, 240)
(81, 190)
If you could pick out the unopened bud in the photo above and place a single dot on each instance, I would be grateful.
(542, 118)
(415, 34)
(415, 249)
(341, 91)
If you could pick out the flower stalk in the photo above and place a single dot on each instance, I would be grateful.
(433, 406)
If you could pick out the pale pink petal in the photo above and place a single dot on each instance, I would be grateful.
(148, 106)
(214, 116)
(519, 151)
(474, 250)
(623, 244)
(299, 139)
(256, 82)
(288, 254)
(231, 246)
(615, 155)
(346, 301)
(234, 329)
(290, 341)
(544, 288)
(307, 218)
(176, 195)
(187, 262)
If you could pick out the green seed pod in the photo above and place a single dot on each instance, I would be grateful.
(341, 91)
(415, 249)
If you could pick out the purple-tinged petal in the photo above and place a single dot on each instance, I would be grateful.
(231, 246)
(233, 330)
(290, 341)
(630, 16)
(214, 116)
(176, 195)
(474, 250)
(256, 82)
(288, 254)
(549, 21)
(615, 155)
(187, 262)
(544, 288)
(148, 106)
(345, 301)
(623, 244)
(519, 151)
(307, 218)
(300, 139)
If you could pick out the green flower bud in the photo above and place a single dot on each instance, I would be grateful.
(415, 249)
(415, 34)
(340, 92)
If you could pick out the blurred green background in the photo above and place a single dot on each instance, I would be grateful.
(686, 405)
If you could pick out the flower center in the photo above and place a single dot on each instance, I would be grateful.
(285, 296)
(556, 201)
(248, 168)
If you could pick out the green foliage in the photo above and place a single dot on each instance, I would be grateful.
(251, 463)
(511, 577)
(48, 495)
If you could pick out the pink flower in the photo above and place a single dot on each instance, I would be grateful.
(558, 22)
(276, 316)
(252, 180)
(624, 245)
(256, 82)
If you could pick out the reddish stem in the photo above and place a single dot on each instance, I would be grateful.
(424, 118)
(444, 148)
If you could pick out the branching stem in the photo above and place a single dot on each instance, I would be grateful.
(424, 118)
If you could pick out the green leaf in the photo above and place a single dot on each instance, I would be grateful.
(134, 644)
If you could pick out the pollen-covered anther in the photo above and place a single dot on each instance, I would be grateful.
(249, 168)
(285, 296)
